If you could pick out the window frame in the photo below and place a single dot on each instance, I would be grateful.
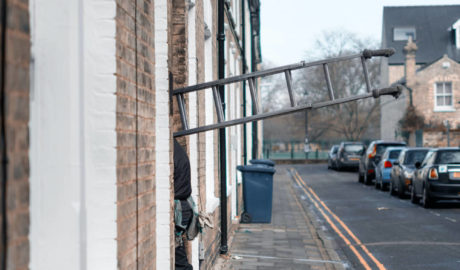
(443, 108)
(414, 38)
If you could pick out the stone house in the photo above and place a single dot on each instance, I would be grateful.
(88, 121)
(426, 62)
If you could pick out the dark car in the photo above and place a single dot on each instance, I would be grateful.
(403, 170)
(437, 177)
(332, 157)
(371, 157)
(349, 154)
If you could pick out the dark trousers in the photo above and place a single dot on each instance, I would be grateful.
(181, 255)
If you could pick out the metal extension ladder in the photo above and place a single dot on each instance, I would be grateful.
(251, 77)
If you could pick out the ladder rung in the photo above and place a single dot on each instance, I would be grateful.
(183, 116)
(218, 104)
(288, 75)
(366, 74)
(253, 96)
(328, 81)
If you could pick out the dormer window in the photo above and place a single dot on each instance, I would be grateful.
(403, 33)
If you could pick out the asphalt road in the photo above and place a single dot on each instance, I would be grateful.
(375, 230)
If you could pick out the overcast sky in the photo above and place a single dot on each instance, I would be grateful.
(289, 27)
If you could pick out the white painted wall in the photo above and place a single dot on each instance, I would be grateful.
(211, 200)
(193, 121)
(162, 137)
(72, 135)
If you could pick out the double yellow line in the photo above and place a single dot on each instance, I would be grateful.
(317, 202)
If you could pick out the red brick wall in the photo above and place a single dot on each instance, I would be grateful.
(17, 133)
(136, 219)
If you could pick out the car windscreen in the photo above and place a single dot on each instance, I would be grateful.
(448, 157)
(414, 156)
(381, 147)
(354, 148)
(334, 149)
(394, 154)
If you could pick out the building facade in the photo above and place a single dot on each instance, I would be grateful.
(426, 62)
(90, 121)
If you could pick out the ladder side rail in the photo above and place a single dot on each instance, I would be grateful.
(367, 54)
(393, 91)
(288, 76)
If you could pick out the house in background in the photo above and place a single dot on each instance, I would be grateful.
(427, 44)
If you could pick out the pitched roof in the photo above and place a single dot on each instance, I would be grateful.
(434, 36)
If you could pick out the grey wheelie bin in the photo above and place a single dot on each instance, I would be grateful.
(257, 193)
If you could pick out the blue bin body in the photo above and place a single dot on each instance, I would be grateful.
(258, 192)
(267, 162)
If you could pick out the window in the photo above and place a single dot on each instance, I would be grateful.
(443, 96)
(354, 148)
(403, 33)
(414, 156)
(448, 157)
(394, 154)
(428, 159)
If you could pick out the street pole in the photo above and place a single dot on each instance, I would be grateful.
(447, 125)
(448, 135)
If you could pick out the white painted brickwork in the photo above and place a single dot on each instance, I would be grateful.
(193, 116)
(162, 143)
(73, 139)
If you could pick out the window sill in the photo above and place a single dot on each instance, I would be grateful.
(444, 110)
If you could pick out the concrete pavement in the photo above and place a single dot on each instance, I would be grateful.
(293, 240)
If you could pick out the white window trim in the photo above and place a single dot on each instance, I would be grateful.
(456, 26)
(443, 108)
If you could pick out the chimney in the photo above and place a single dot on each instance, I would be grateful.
(409, 66)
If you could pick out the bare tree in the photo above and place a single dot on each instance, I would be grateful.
(351, 119)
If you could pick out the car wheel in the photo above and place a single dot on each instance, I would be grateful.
(400, 190)
(426, 200)
(413, 196)
(366, 179)
(360, 178)
(392, 189)
(384, 186)
(376, 184)
(246, 217)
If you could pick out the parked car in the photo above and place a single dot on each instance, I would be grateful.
(332, 157)
(349, 154)
(383, 168)
(371, 157)
(403, 170)
(437, 177)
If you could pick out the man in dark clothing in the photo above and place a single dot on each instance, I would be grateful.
(182, 190)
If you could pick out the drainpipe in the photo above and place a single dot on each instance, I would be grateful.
(243, 39)
(410, 95)
(253, 68)
(4, 165)
(222, 148)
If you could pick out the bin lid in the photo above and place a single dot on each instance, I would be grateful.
(256, 168)
(262, 161)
